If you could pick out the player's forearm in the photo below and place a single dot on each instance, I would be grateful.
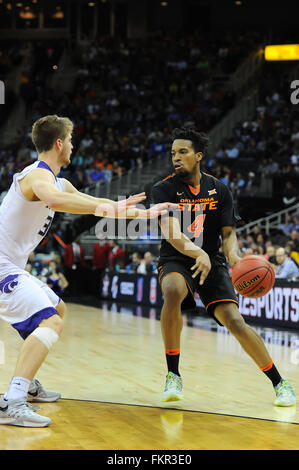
(74, 203)
(231, 248)
(131, 213)
(185, 246)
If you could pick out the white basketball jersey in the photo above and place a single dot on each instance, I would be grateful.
(23, 223)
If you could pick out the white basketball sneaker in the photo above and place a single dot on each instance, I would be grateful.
(173, 389)
(19, 413)
(38, 394)
(285, 394)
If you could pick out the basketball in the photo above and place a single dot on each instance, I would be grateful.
(253, 276)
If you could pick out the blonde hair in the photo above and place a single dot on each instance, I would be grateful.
(46, 130)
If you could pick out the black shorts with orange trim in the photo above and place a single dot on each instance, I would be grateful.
(217, 287)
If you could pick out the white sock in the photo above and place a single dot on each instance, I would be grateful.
(18, 388)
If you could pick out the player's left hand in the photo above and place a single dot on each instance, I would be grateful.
(118, 208)
(129, 203)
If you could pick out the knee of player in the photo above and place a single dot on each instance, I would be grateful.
(54, 322)
(48, 334)
(174, 293)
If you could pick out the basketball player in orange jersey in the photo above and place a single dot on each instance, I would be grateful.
(28, 304)
(190, 261)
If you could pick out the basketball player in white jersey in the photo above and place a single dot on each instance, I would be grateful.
(26, 214)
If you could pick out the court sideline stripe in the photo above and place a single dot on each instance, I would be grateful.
(180, 409)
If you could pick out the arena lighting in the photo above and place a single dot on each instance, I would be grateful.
(164, 4)
(58, 14)
(282, 52)
(27, 15)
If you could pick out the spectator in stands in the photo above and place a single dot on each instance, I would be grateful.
(295, 239)
(232, 150)
(56, 279)
(270, 254)
(101, 251)
(241, 244)
(249, 239)
(147, 265)
(287, 268)
(36, 266)
(116, 254)
(292, 252)
(100, 257)
(260, 241)
(256, 232)
(248, 251)
(250, 185)
(290, 194)
(74, 265)
(294, 159)
(135, 263)
(288, 225)
(296, 223)
(93, 175)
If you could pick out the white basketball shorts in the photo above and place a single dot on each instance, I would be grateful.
(25, 301)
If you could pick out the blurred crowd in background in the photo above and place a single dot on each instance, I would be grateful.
(126, 98)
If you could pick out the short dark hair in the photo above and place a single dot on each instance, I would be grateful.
(200, 140)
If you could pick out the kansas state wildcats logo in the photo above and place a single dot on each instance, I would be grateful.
(9, 283)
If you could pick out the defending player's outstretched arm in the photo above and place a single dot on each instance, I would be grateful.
(172, 232)
(125, 208)
(41, 184)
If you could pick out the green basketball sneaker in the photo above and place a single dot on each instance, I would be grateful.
(285, 395)
(173, 389)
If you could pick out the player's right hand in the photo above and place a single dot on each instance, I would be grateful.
(162, 208)
(203, 265)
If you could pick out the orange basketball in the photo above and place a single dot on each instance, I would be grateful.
(253, 276)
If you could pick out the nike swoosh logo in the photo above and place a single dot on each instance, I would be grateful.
(33, 393)
(4, 409)
(179, 194)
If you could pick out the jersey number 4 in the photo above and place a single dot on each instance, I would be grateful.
(43, 232)
(197, 226)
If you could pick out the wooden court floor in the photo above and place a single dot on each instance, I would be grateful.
(110, 369)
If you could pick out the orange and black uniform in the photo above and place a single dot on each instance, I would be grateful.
(202, 212)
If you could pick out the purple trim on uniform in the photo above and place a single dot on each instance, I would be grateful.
(26, 327)
(8, 283)
(44, 165)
